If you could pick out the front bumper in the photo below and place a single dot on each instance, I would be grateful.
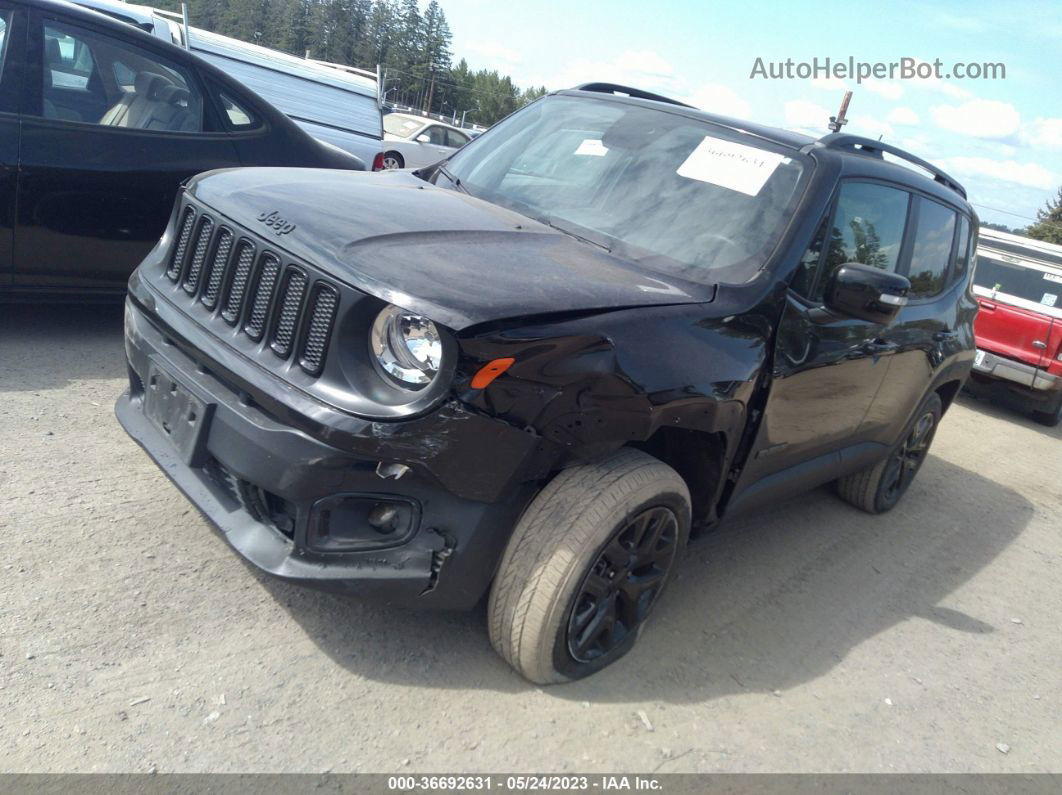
(248, 460)
(1026, 375)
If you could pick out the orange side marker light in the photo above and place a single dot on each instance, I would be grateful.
(490, 371)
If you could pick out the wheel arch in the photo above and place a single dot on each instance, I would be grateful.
(947, 392)
(699, 457)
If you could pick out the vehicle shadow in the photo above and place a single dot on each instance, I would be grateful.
(46, 346)
(767, 602)
(998, 404)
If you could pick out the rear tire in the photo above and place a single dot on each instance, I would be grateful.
(1053, 415)
(878, 488)
(586, 564)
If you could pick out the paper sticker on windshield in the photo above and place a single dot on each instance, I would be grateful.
(730, 165)
(1052, 277)
(592, 146)
(1049, 299)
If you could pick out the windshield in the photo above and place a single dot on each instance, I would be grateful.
(400, 125)
(677, 194)
(998, 276)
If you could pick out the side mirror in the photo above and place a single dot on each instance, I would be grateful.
(423, 139)
(867, 293)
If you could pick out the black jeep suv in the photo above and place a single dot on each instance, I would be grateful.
(531, 369)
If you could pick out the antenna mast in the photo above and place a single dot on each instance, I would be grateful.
(839, 121)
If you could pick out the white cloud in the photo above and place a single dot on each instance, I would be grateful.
(934, 83)
(803, 115)
(1031, 175)
(641, 68)
(903, 115)
(980, 118)
(829, 83)
(964, 23)
(889, 89)
(869, 126)
(493, 53)
(720, 99)
(1046, 133)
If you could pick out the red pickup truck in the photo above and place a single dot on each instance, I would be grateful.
(1018, 283)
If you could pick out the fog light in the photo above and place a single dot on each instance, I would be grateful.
(353, 522)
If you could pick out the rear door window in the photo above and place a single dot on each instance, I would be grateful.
(931, 250)
(456, 139)
(68, 60)
(436, 135)
(868, 227)
(98, 79)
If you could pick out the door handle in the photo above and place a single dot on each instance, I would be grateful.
(1039, 344)
(878, 347)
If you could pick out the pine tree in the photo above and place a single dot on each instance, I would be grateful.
(1048, 224)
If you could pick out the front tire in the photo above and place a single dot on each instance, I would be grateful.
(878, 488)
(392, 161)
(586, 564)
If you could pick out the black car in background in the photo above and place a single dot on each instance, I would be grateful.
(99, 125)
(532, 369)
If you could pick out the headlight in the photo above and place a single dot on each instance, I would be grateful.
(407, 347)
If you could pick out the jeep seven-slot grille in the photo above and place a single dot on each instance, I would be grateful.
(246, 286)
(268, 270)
(322, 312)
(218, 262)
(182, 244)
(290, 304)
(195, 267)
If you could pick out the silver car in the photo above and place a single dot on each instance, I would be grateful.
(416, 141)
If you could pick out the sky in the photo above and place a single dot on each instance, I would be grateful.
(1001, 138)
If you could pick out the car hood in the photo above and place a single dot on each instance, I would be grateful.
(444, 254)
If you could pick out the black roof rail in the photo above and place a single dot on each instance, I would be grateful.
(637, 93)
(858, 143)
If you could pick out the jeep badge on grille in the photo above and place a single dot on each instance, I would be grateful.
(276, 222)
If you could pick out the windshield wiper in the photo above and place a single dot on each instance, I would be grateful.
(455, 181)
(553, 225)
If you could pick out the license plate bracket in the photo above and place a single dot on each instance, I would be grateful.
(177, 414)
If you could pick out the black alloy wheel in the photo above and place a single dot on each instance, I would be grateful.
(907, 458)
(622, 584)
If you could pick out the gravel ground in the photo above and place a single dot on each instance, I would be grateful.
(808, 637)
